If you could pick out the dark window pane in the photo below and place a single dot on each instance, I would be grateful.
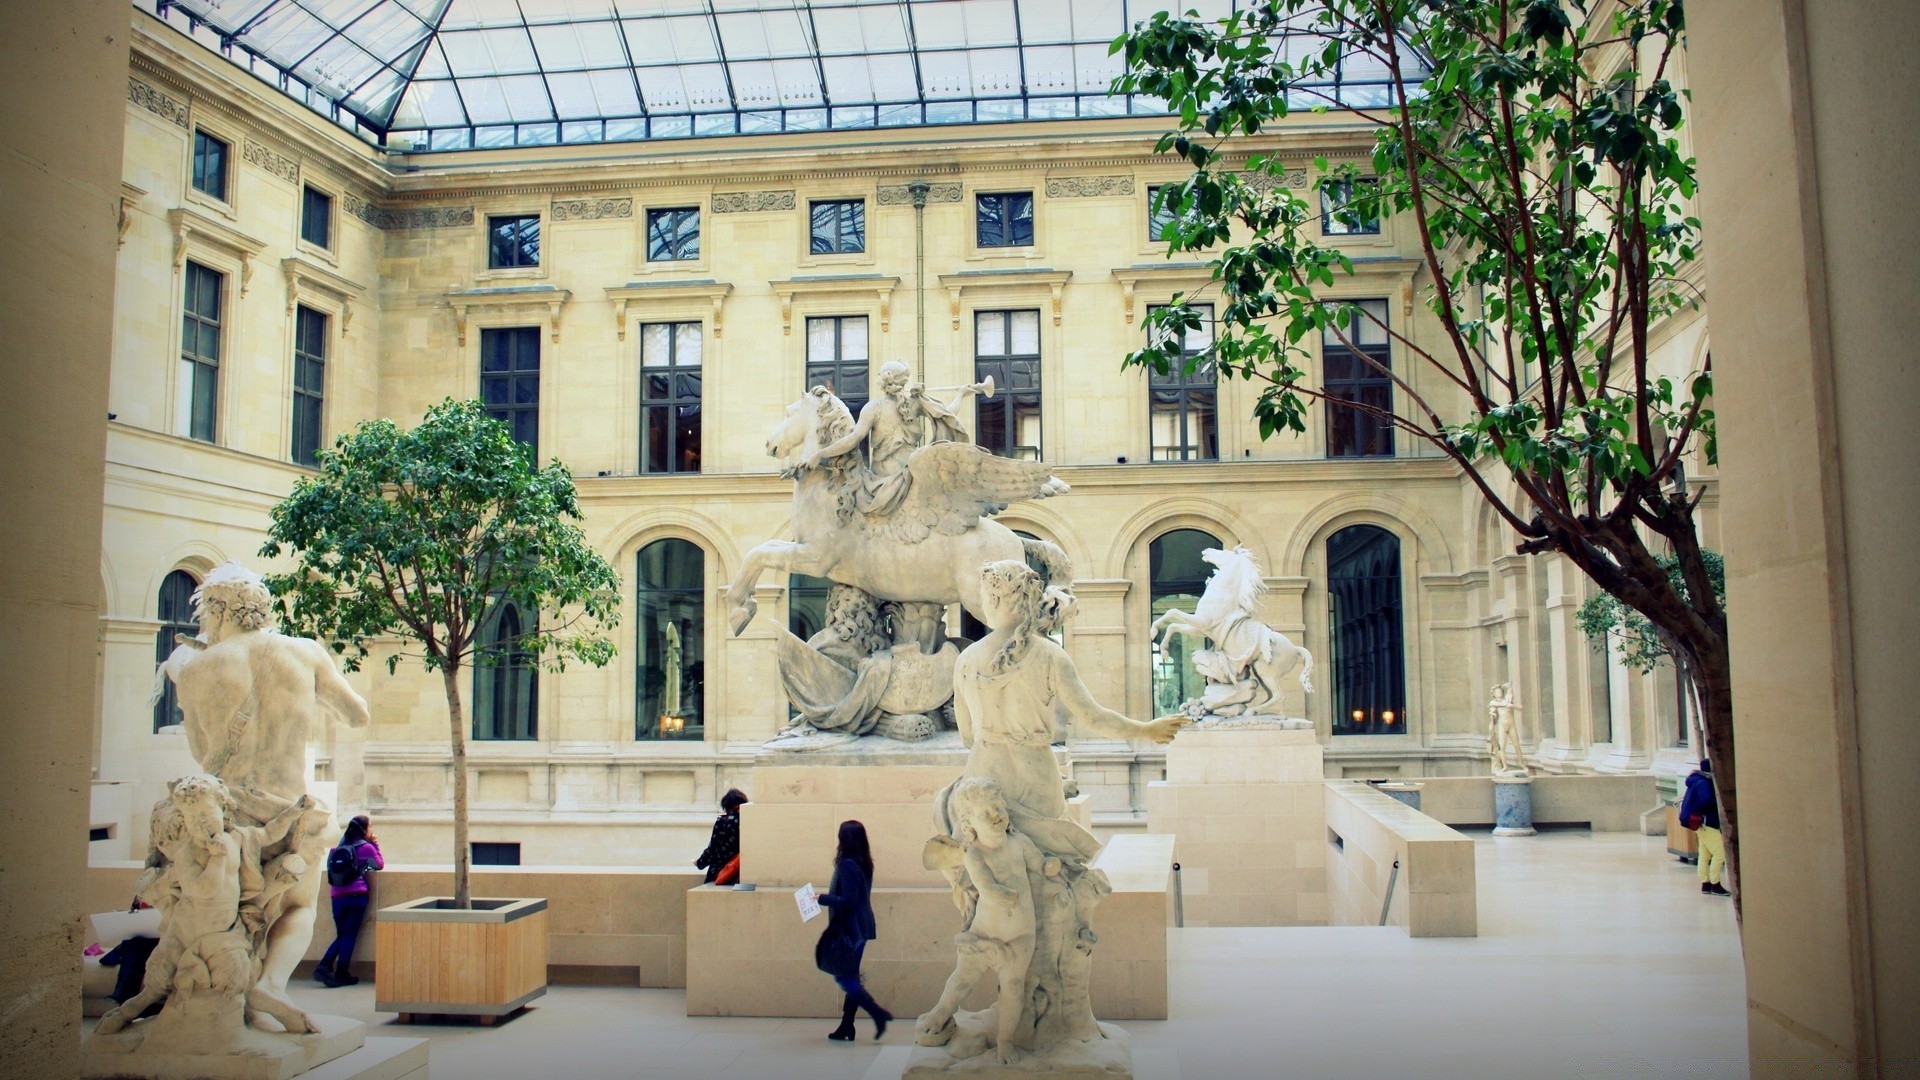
(670, 645)
(205, 387)
(510, 385)
(210, 165)
(1364, 615)
(176, 617)
(309, 383)
(838, 227)
(513, 241)
(1337, 218)
(670, 392)
(1158, 217)
(1004, 220)
(316, 217)
(673, 235)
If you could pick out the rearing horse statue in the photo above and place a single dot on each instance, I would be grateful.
(1249, 658)
(928, 550)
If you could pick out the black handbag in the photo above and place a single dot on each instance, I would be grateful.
(833, 953)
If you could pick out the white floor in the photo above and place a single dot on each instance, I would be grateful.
(1598, 956)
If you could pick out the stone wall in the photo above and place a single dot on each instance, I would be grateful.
(1434, 894)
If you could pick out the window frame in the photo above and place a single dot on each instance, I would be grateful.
(647, 230)
(1008, 232)
(513, 373)
(1157, 221)
(1329, 225)
(169, 700)
(1185, 388)
(697, 596)
(318, 396)
(539, 241)
(308, 191)
(189, 405)
(837, 367)
(1331, 349)
(224, 196)
(1389, 632)
(674, 401)
(857, 206)
(1007, 398)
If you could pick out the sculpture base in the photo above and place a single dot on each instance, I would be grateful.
(1513, 805)
(276, 1056)
(1104, 1058)
(1211, 722)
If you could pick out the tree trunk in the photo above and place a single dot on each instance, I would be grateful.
(1714, 683)
(462, 856)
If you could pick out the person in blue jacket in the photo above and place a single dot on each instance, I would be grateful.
(850, 926)
(1700, 811)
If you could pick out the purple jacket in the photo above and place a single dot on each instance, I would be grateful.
(368, 852)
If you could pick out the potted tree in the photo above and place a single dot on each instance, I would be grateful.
(416, 536)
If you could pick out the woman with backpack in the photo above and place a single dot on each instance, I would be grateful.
(347, 868)
(850, 926)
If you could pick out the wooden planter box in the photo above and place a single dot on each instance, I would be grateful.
(486, 961)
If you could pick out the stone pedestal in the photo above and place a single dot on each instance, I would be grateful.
(1106, 1058)
(1246, 806)
(267, 1057)
(1513, 806)
(1401, 792)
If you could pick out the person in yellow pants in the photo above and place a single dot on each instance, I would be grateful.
(1700, 811)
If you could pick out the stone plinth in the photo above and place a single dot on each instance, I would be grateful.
(1109, 1057)
(1433, 893)
(748, 953)
(788, 831)
(1513, 806)
(1246, 808)
(267, 1057)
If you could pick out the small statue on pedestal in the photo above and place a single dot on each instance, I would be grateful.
(1503, 733)
(1247, 658)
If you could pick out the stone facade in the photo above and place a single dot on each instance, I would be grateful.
(586, 790)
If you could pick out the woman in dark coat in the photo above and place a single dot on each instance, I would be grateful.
(724, 844)
(850, 926)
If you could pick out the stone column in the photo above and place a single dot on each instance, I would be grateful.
(62, 122)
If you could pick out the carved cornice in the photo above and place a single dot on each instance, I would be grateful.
(413, 217)
(899, 195)
(858, 285)
(957, 285)
(746, 202)
(1088, 187)
(186, 223)
(263, 157)
(711, 292)
(546, 299)
(306, 274)
(157, 102)
(590, 209)
(1130, 277)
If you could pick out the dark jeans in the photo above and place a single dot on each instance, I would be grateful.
(850, 983)
(349, 912)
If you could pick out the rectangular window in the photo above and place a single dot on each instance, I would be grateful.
(513, 241)
(309, 382)
(1183, 416)
(839, 227)
(1336, 218)
(316, 217)
(1006, 345)
(510, 380)
(209, 165)
(673, 235)
(1356, 359)
(1004, 220)
(670, 397)
(200, 352)
(837, 357)
(489, 853)
(1158, 217)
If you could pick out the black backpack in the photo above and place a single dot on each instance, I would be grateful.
(342, 867)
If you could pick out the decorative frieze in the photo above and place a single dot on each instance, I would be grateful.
(744, 202)
(155, 102)
(1088, 187)
(261, 156)
(595, 209)
(899, 195)
(360, 208)
(1260, 181)
(413, 217)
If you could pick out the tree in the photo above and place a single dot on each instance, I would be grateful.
(1642, 644)
(416, 535)
(1536, 162)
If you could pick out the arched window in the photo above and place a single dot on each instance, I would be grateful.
(671, 629)
(1363, 612)
(1177, 576)
(176, 617)
(506, 684)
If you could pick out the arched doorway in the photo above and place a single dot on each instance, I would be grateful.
(1176, 577)
(1364, 622)
(670, 650)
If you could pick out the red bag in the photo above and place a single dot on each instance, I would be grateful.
(1691, 824)
(729, 873)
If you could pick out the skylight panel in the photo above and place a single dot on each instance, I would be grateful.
(762, 34)
(573, 47)
(855, 80)
(290, 34)
(339, 67)
(948, 24)
(763, 84)
(483, 14)
(679, 39)
(433, 64)
(486, 101)
(640, 9)
(490, 52)
(852, 31)
(229, 17)
(586, 94)
(391, 32)
(430, 104)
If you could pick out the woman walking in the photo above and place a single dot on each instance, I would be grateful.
(849, 927)
(347, 877)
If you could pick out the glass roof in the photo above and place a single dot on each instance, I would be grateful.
(462, 74)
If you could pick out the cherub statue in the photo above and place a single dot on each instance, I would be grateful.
(999, 873)
(204, 874)
(1503, 732)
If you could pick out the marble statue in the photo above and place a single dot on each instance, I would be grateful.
(1246, 659)
(897, 511)
(1021, 869)
(1503, 733)
(237, 856)
(670, 694)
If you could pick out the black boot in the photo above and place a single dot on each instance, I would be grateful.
(325, 977)
(844, 1033)
(881, 1017)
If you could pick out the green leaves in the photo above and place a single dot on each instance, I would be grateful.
(414, 534)
(1641, 643)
